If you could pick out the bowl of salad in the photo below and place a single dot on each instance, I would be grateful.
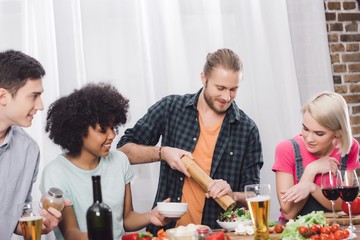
(231, 219)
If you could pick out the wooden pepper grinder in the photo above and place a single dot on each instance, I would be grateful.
(226, 202)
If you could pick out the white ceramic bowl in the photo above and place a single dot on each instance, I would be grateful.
(172, 209)
(230, 226)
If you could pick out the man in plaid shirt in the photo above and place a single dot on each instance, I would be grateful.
(210, 128)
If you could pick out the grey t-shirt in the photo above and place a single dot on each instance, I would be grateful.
(19, 161)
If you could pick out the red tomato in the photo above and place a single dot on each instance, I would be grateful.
(303, 230)
(218, 236)
(271, 229)
(315, 237)
(279, 228)
(316, 228)
(355, 206)
(332, 237)
(309, 234)
(339, 234)
(324, 236)
(334, 227)
(325, 230)
(346, 233)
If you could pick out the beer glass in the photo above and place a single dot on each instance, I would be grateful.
(31, 220)
(258, 201)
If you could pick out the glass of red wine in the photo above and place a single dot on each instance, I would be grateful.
(330, 187)
(349, 190)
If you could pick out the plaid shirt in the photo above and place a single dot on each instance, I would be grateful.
(237, 157)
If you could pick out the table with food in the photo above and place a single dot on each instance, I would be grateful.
(237, 224)
(254, 222)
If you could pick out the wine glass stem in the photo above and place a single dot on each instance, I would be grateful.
(351, 225)
(333, 210)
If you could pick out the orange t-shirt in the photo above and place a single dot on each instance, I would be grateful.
(192, 193)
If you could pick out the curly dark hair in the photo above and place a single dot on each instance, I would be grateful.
(69, 117)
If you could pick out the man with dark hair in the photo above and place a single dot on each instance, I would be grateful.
(20, 91)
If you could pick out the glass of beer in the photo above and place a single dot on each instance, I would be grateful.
(31, 220)
(258, 201)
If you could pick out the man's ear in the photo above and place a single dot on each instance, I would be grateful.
(203, 78)
(3, 96)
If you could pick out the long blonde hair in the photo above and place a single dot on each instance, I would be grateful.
(330, 110)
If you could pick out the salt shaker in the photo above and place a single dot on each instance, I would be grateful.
(202, 233)
(53, 198)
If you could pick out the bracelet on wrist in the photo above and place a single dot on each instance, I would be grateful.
(160, 153)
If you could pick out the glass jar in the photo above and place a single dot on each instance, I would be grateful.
(202, 233)
(53, 198)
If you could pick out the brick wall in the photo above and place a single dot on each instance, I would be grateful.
(342, 22)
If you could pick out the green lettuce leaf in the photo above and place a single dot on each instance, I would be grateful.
(291, 231)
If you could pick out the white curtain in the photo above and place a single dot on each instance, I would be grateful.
(149, 49)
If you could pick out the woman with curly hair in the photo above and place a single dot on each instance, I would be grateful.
(84, 124)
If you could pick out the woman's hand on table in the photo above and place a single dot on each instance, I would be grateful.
(298, 192)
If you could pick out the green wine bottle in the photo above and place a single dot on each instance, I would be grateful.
(99, 216)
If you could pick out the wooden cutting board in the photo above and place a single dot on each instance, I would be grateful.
(342, 218)
(233, 236)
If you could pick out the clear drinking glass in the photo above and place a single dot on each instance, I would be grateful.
(349, 190)
(330, 187)
(258, 201)
(31, 220)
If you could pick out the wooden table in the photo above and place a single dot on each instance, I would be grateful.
(232, 235)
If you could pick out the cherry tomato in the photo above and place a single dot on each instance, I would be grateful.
(316, 228)
(346, 233)
(339, 234)
(271, 229)
(315, 237)
(279, 228)
(332, 236)
(324, 236)
(325, 230)
(334, 227)
(309, 234)
(355, 206)
(303, 230)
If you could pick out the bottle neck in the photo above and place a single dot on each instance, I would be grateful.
(97, 189)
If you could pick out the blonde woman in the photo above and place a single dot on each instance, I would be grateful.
(325, 144)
